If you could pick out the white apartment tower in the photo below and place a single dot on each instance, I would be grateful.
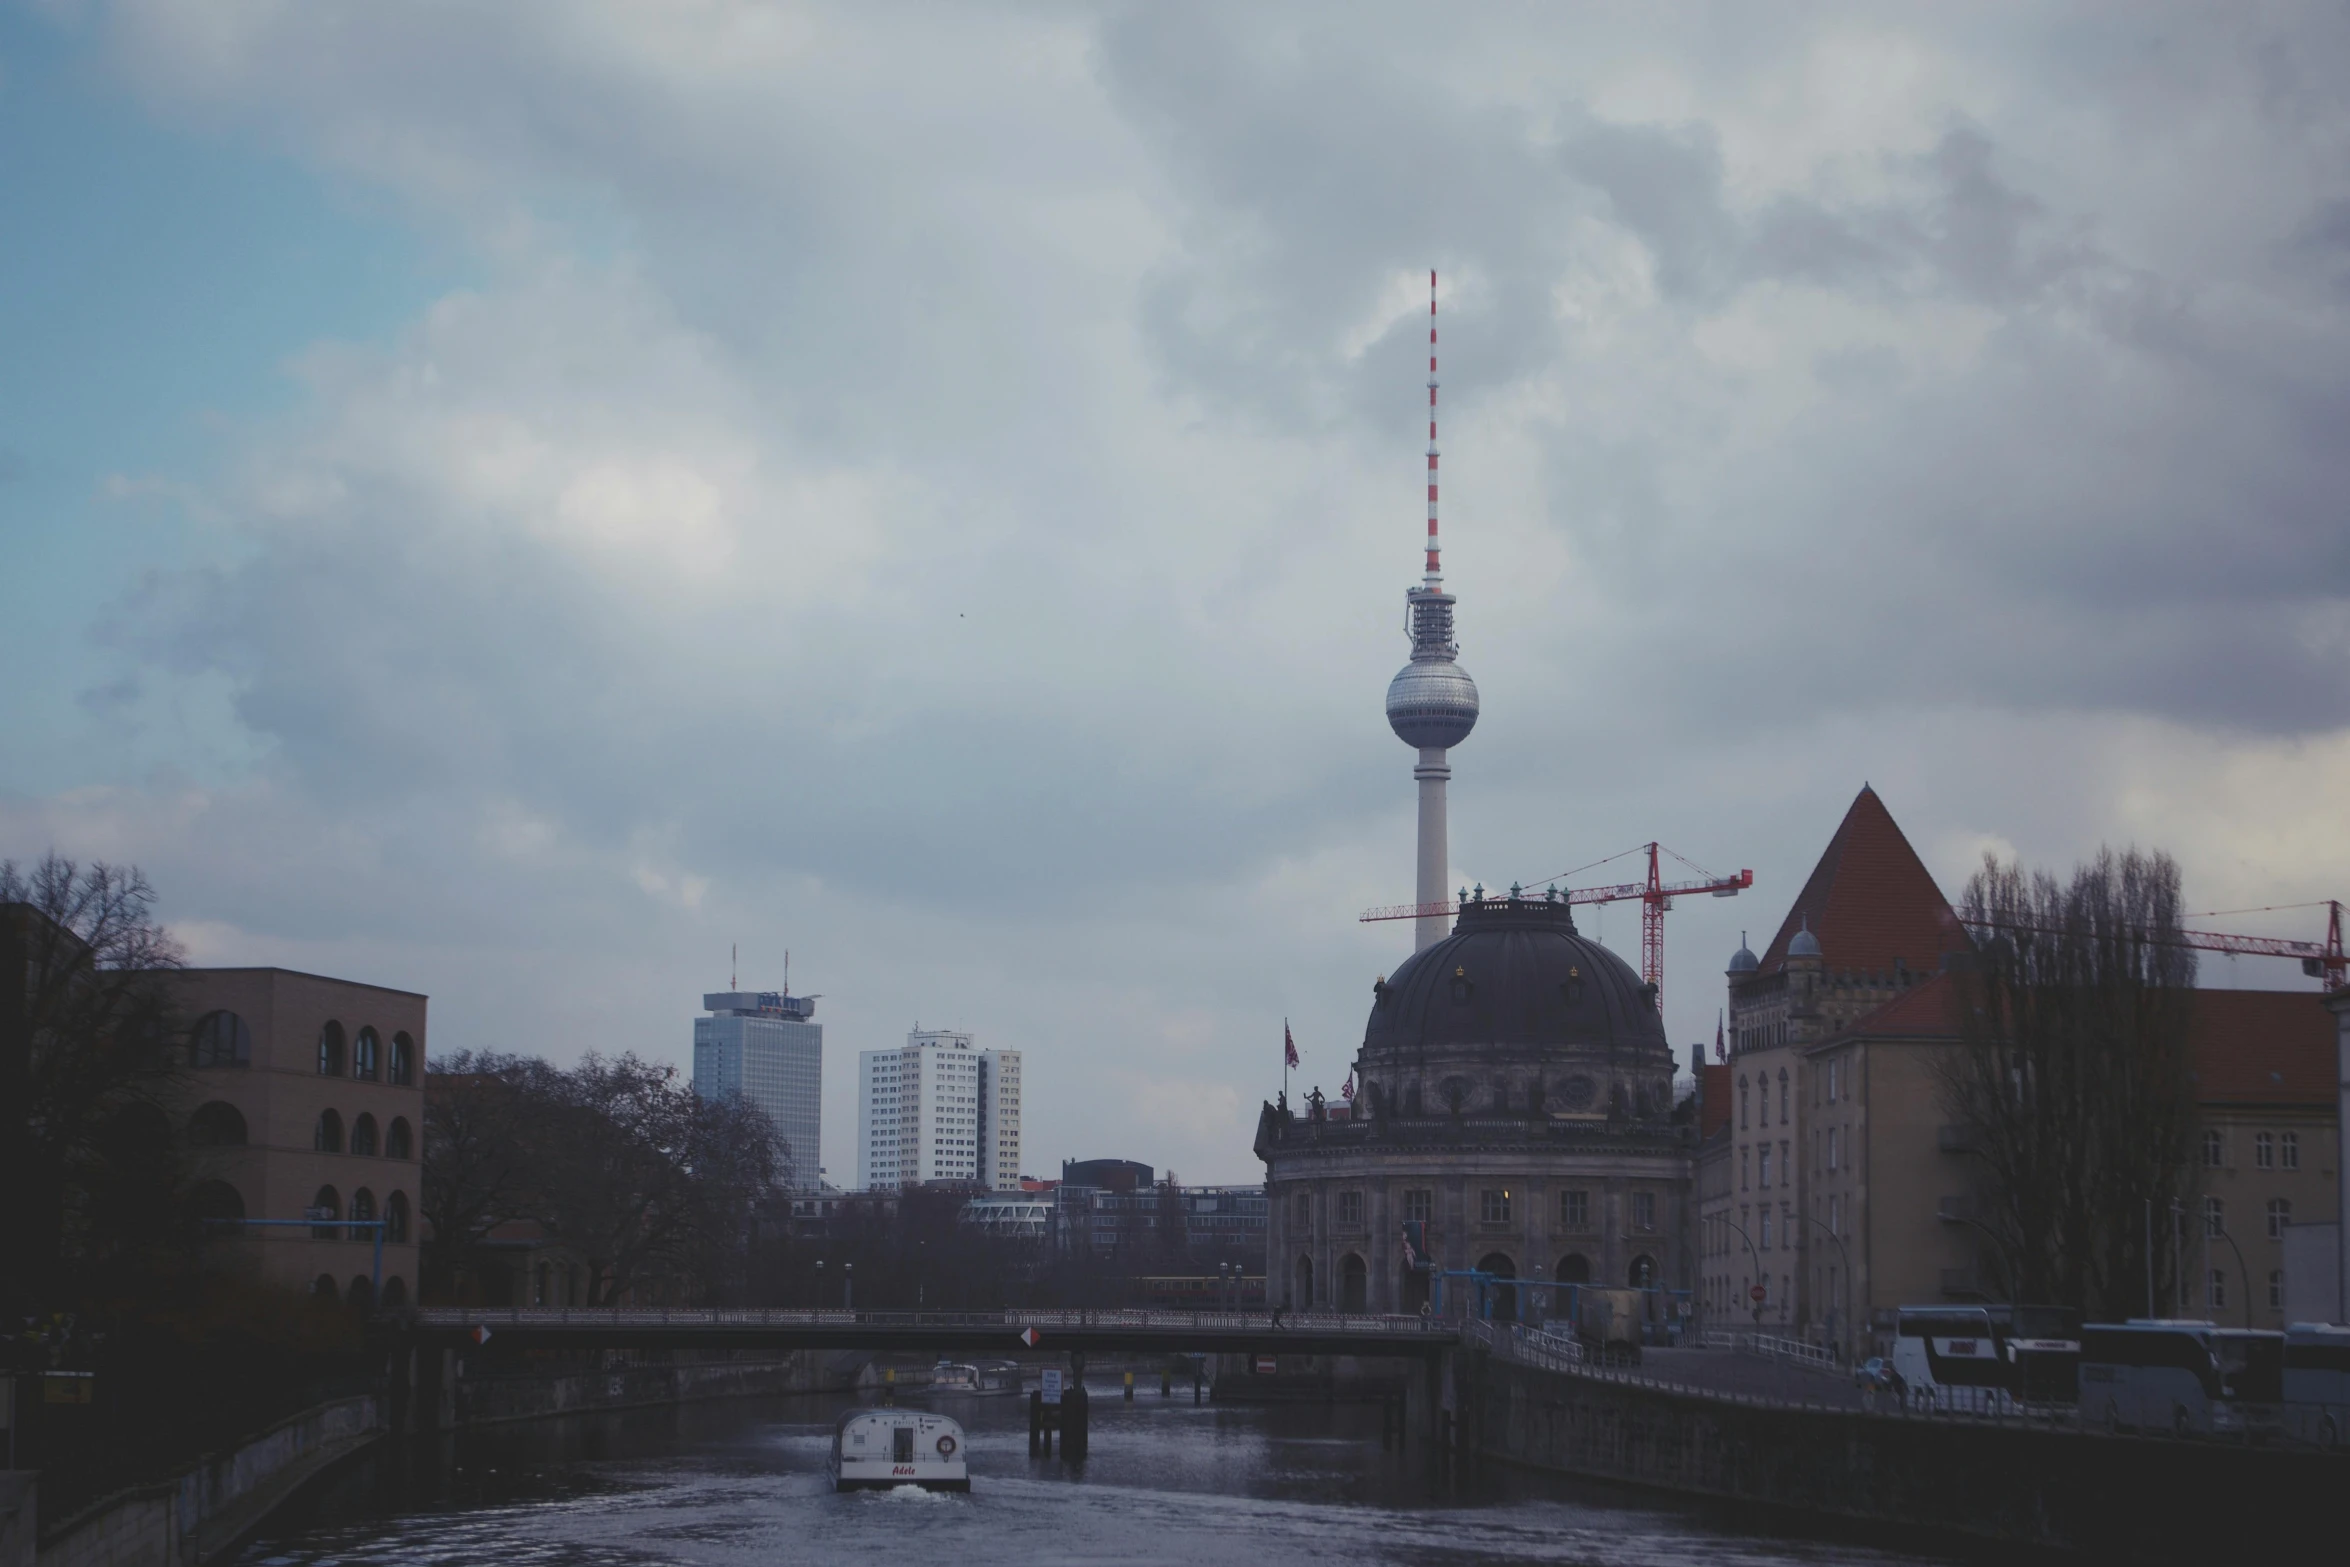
(938, 1109)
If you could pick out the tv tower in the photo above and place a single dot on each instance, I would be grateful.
(1431, 702)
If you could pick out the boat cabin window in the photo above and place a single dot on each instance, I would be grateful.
(901, 1445)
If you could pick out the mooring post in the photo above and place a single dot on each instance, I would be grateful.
(1035, 1421)
(1076, 1427)
(1166, 1382)
(1130, 1387)
(889, 1387)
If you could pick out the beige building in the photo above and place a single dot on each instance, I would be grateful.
(1868, 928)
(308, 1100)
(2265, 1071)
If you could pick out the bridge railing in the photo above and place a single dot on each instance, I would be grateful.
(1062, 1318)
(1786, 1351)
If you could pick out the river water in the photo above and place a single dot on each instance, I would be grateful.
(742, 1481)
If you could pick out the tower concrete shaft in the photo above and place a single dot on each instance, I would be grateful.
(1433, 773)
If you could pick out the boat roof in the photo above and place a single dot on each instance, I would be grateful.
(848, 1415)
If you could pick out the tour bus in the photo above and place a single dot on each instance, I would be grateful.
(2317, 1383)
(2181, 1377)
(1990, 1360)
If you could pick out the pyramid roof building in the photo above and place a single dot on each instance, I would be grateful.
(1870, 901)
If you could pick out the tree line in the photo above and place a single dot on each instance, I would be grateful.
(645, 1189)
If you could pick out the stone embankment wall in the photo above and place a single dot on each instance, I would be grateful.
(486, 1400)
(197, 1515)
(2130, 1498)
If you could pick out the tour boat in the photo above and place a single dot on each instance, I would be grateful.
(997, 1376)
(873, 1449)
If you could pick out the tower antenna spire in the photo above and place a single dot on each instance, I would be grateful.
(734, 965)
(1435, 575)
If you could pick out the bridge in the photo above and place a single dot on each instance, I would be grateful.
(989, 1332)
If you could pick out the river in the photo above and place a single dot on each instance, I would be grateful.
(742, 1481)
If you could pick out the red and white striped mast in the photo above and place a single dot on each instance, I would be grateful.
(1435, 575)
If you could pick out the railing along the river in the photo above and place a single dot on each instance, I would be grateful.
(1063, 1318)
(1786, 1351)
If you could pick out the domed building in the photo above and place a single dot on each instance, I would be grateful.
(1514, 1108)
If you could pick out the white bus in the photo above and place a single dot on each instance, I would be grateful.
(2317, 1383)
(2181, 1378)
(1987, 1360)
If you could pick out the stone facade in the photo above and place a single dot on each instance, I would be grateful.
(1516, 1100)
(309, 1091)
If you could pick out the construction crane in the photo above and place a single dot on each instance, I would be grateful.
(2324, 961)
(1655, 895)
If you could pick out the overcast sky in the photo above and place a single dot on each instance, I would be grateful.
(506, 500)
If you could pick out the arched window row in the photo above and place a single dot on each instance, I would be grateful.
(398, 1141)
(364, 1056)
(327, 1204)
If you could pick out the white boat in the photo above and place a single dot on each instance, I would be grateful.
(873, 1449)
(997, 1376)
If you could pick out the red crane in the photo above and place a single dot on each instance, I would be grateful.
(1655, 894)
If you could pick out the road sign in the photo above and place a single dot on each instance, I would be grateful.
(1029, 1337)
(481, 1335)
(67, 1387)
(1052, 1387)
(1266, 1365)
(1758, 1294)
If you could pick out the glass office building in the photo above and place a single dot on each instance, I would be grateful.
(763, 1045)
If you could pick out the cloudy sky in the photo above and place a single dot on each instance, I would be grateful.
(506, 500)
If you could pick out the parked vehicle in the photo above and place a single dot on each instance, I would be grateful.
(2316, 1384)
(2182, 1378)
(1991, 1360)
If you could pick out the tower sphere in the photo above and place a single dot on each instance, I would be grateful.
(1432, 702)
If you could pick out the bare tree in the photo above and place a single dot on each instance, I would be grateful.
(88, 1077)
(481, 1113)
(2073, 1081)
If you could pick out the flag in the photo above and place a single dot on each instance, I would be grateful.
(1346, 1090)
(1288, 1045)
(1718, 1055)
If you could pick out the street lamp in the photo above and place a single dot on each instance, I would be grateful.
(848, 1286)
(1845, 1343)
(1756, 1258)
(819, 1281)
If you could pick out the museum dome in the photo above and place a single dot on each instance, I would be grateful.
(1513, 979)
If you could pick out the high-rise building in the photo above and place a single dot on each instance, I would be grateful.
(762, 1045)
(938, 1109)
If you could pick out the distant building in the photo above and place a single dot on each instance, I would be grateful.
(938, 1110)
(309, 1104)
(1115, 1175)
(763, 1046)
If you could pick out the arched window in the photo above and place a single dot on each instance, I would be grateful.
(366, 1056)
(327, 1135)
(1782, 1096)
(216, 1202)
(330, 1049)
(1742, 1102)
(1354, 1283)
(399, 1143)
(217, 1124)
(395, 1219)
(220, 1039)
(362, 1293)
(1643, 1274)
(395, 1293)
(362, 1212)
(323, 1286)
(363, 1135)
(1303, 1297)
(327, 1203)
(402, 1074)
(1574, 1268)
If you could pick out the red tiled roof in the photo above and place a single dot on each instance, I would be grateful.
(1871, 900)
(1713, 1101)
(2250, 1046)
(2263, 1047)
(1927, 1011)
